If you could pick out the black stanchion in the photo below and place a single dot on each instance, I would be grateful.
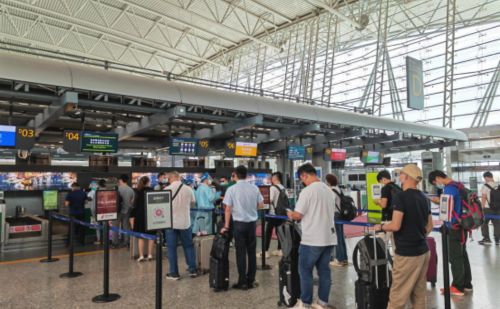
(446, 267)
(71, 273)
(106, 297)
(49, 258)
(264, 266)
(158, 269)
(214, 221)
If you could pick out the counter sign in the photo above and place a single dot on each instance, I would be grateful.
(25, 138)
(158, 210)
(71, 141)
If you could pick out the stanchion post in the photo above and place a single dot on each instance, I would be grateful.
(106, 297)
(158, 269)
(71, 273)
(264, 266)
(214, 221)
(446, 267)
(49, 258)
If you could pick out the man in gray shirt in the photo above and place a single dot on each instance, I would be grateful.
(126, 203)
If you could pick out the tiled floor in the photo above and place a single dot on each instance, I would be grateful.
(35, 285)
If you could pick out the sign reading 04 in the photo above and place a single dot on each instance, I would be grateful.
(203, 145)
(71, 141)
(25, 138)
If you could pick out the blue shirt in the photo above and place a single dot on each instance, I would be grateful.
(457, 200)
(76, 201)
(243, 198)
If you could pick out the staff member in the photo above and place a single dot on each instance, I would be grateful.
(316, 210)
(242, 201)
(411, 223)
(75, 200)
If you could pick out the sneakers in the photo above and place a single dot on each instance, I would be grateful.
(150, 257)
(454, 291)
(277, 253)
(485, 242)
(240, 286)
(193, 273)
(173, 277)
(300, 305)
(141, 259)
(336, 263)
(468, 290)
(259, 255)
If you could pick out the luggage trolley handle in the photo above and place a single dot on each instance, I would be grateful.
(387, 281)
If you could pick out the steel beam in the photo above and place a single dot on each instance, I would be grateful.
(147, 123)
(228, 128)
(51, 113)
(449, 64)
(481, 117)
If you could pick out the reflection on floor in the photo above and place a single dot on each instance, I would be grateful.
(36, 285)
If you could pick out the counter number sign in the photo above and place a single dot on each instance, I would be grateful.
(25, 138)
(71, 141)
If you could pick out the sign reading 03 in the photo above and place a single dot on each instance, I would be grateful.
(71, 141)
(25, 138)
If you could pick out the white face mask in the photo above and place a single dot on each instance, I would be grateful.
(440, 186)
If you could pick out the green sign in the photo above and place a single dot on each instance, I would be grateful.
(414, 83)
(99, 142)
(50, 201)
(373, 191)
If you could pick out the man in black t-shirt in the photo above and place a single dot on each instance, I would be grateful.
(75, 200)
(411, 222)
(386, 200)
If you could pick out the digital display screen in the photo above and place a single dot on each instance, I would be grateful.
(183, 146)
(372, 157)
(338, 154)
(99, 142)
(296, 152)
(7, 136)
(36, 181)
(50, 200)
(244, 149)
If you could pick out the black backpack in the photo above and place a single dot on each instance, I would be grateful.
(283, 203)
(348, 210)
(395, 190)
(494, 198)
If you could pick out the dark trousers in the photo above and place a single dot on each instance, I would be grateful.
(271, 224)
(459, 260)
(496, 225)
(245, 242)
(79, 229)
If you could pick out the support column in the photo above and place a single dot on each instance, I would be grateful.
(326, 167)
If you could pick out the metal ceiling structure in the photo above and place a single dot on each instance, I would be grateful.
(337, 54)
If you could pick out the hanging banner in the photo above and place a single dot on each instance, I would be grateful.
(414, 83)
(106, 202)
(159, 210)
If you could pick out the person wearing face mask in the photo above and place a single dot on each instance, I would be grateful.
(315, 209)
(459, 259)
(205, 199)
(411, 223)
(162, 181)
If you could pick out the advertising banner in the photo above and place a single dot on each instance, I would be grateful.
(445, 207)
(373, 189)
(415, 83)
(106, 202)
(50, 200)
(159, 210)
(265, 191)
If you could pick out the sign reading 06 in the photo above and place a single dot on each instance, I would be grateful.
(309, 152)
(203, 145)
(230, 149)
(71, 141)
(25, 138)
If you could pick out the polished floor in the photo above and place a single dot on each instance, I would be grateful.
(30, 284)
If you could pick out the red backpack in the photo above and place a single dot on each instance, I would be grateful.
(472, 216)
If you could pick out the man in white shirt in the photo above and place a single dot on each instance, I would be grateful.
(316, 210)
(489, 184)
(182, 201)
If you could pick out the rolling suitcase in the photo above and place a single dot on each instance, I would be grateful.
(219, 263)
(289, 281)
(374, 276)
(433, 262)
(203, 246)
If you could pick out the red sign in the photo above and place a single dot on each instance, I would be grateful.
(106, 204)
(266, 194)
(25, 228)
(338, 154)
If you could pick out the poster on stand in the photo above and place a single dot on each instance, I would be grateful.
(159, 210)
(265, 191)
(106, 202)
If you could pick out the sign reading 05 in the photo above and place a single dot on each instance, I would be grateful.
(203, 145)
(71, 141)
(25, 138)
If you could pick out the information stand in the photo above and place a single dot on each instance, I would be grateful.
(50, 203)
(106, 209)
(265, 191)
(158, 218)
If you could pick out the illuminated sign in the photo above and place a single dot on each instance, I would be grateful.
(244, 149)
(99, 142)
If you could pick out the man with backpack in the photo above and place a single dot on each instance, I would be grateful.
(490, 199)
(459, 259)
(340, 248)
(279, 204)
(389, 192)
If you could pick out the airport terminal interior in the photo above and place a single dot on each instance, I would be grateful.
(102, 100)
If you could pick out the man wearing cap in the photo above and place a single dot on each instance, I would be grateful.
(411, 223)
(205, 199)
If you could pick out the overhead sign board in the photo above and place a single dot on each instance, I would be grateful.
(25, 138)
(159, 210)
(99, 142)
(296, 152)
(309, 153)
(7, 136)
(244, 149)
(230, 149)
(414, 83)
(183, 146)
(202, 147)
(71, 141)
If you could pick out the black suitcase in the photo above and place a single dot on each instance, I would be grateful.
(374, 275)
(219, 274)
(289, 281)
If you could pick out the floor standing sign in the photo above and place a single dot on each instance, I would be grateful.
(158, 218)
(373, 192)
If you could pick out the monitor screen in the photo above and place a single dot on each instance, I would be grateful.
(7, 136)
(50, 200)
(296, 152)
(338, 155)
(99, 142)
(244, 149)
(183, 146)
(372, 157)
